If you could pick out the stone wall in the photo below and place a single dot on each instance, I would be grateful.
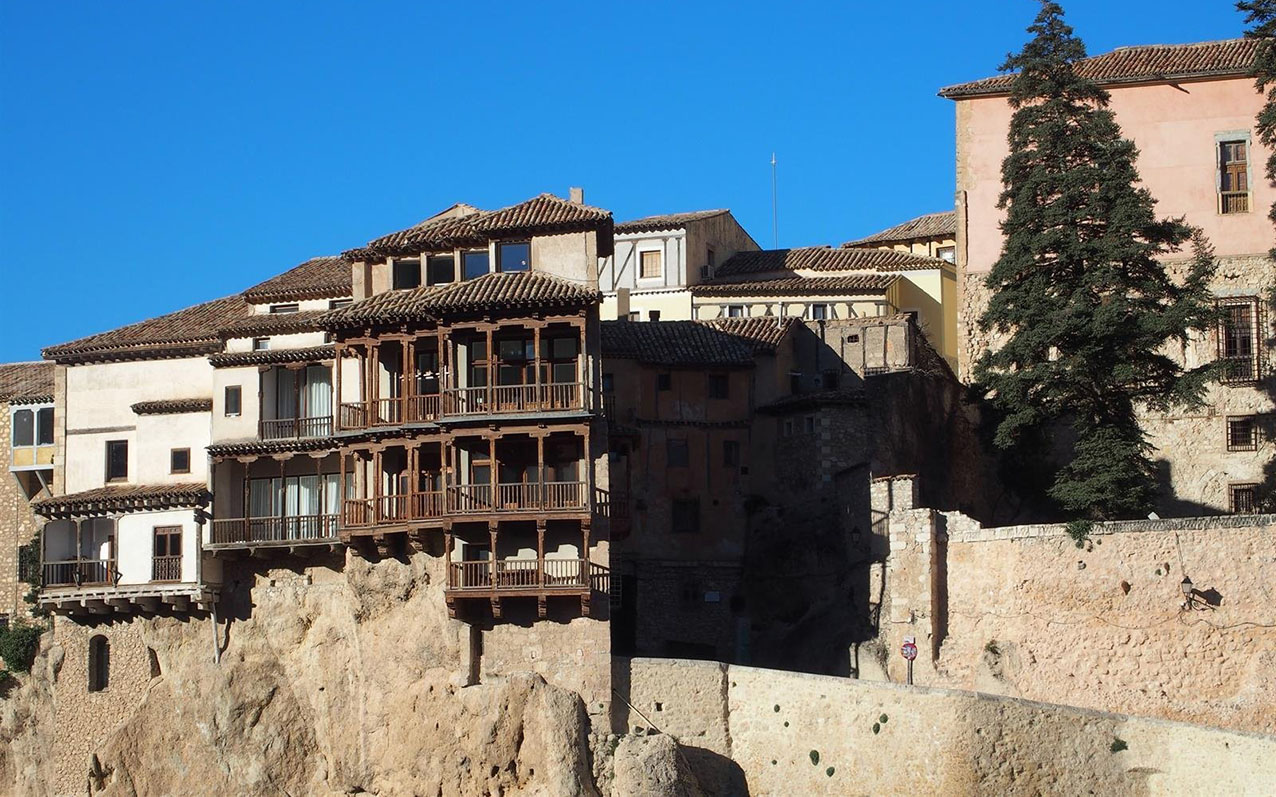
(1023, 611)
(780, 733)
(18, 524)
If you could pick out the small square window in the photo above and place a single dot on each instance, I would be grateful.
(719, 386)
(234, 396)
(116, 460)
(852, 338)
(475, 264)
(809, 424)
(710, 257)
(948, 253)
(686, 516)
(730, 453)
(634, 315)
(337, 304)
(1244, 498)
(736, 311)
(440, 270)
(820, 312)
(1242, 434)
(180, 460)
(261, 344)
(281, 309)
(514, 256)
(406, 274)
(664, 382)
(676, 455)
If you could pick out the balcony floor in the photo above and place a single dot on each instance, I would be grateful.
(103, 599)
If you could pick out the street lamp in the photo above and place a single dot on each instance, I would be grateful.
(1186, 586)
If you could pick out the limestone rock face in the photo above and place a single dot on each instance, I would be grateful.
(652, 766)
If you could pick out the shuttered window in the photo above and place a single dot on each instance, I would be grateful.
(650, 264)
(1233, 176)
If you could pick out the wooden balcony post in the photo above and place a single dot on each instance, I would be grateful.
(491, 531)
(540, 471)
(491, 377)
(494, 472)
(446, 380)
(407, 350)
(540, 553)
(538, 397)
(584, 569)
(376, 486)
(447, 558)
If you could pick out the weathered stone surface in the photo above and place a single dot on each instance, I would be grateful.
(652, 766)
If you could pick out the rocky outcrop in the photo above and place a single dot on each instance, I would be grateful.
(652, 766)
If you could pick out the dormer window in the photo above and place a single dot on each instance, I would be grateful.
(407, 274)
(475, 264)
(440, 270)
(514, 256)
(261, 344)
(284, 308)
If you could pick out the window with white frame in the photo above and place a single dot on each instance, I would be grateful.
(736, 311)
(820, 312)
(31, 436)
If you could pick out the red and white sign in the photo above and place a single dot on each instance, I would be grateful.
(909, 649)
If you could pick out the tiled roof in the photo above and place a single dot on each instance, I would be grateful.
(691, 343)
(122, 498)
(529, 290)
(932, 225)
(185, 333)
(824, 258)
(799, 286)
(232, 359)
(317, 278)
(173, 406)
(667, 221)
(264, 447)
(464, 225)
(806, 401)
(26, 383)
(1144, 64)
(273, 324)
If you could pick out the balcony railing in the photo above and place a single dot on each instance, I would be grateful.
(288, 428)
(522, 575)
(462, 401)
(1234, 201)
(516, 497)
(389, 411)
(80, 572)
(166, 568)
(393, 508)
(242, 531)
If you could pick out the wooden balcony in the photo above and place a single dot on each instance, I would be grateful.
(166, 568)
(393, 509)
(247, 532)
(493, 580)
(480, 499)
(462, 401)
(79, 573)
(389, 411)
(293, 428)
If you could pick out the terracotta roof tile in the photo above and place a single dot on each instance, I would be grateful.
(273, 324)
(173, 406)
(317, 278)
(799, 286)
(465, 225)
(531, 290)
(692, 343)
(1143, 64)
(26, 383)
(185, 333)
(667, 221)
(824, 258)
(272, 356)
(260, 447)
(123, 498)
(932, 225)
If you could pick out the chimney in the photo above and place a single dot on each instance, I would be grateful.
(576, 195)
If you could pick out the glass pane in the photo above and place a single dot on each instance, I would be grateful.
(476, 264)
(44, 427)
(514, 256)
(566, 372)
(563, 348)
(513, 349)
(482, 474)
(441, 270)
(24, 428)
(478, 350)
(407, 274)
(117, 459)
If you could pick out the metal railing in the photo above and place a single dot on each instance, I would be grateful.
(287, 428)
(166, 568)
(79, 572)
(232, 531)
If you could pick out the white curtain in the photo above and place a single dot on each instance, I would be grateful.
(318, 392)
(285, 393)
(263, 498)
(331, 493)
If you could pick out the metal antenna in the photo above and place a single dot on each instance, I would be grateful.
(775, 213)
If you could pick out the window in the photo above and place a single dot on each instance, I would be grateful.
(475, 264)
(653, 315)
(31, 437)
(1237, 339)
(1244, 498)
(634, 315)
(234, 399)
(1242, 434)
(440, 269)
(285, 308)
(948, 253)
(179, 460)
(166, 562)
(788, 427)
(852, 338)
(664, 382)
(261, 344)
(795, 382)
(829, 379)
(650, 264)
(609, 383)
(676, 453)
(116, 460)
(337, 304)
(709, 256)
(99, 663)
(719, 386)
(820, 312)
(689, 587)
(562, 357)
(1233, 176)
(686, 516)
(809, 424)
(514, 256)
(406, 274)
(736, 311)
(730, 453)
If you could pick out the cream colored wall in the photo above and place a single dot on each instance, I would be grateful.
(236, 427)
(1174, 127)
(672, 305)
(723, 233)
(135, 543)
(707, 309)
(926, 247)
(158, 435)
(572, 256)
(99, 399)
(298, 340)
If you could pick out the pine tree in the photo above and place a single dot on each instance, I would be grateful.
(1079, 293)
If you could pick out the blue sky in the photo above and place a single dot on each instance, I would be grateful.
(158, 154)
